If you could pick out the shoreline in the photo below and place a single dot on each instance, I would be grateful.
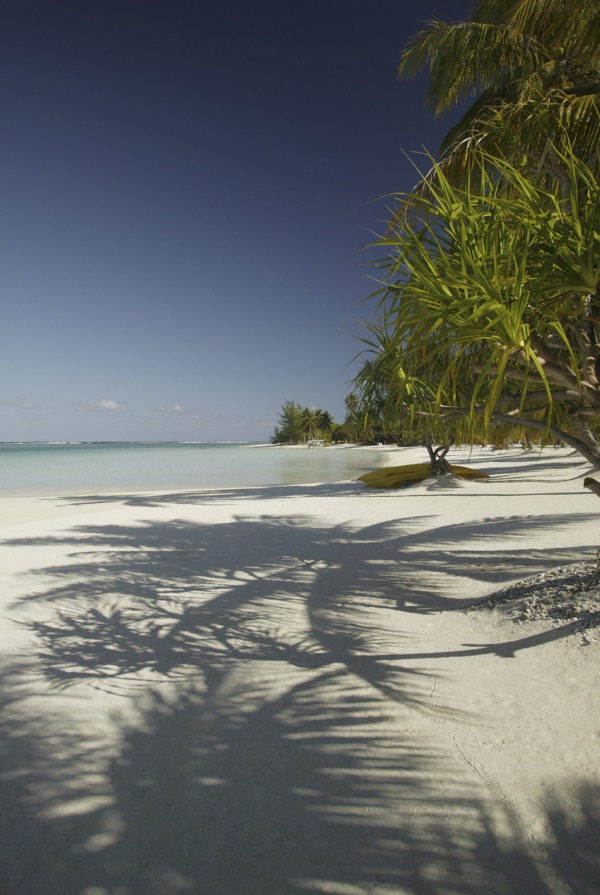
(385, 454)
(64, 469)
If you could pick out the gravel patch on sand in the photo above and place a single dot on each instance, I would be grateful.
(568, 593)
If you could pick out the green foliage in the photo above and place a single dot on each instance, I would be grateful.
(487, 304)
(298, 424)
(532, 69)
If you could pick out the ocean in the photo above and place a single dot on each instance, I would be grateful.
(114, 467)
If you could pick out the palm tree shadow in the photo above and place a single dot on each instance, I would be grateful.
(187, 598)
(276, 749)
(573, 819)
(229, 789)
(207, 496)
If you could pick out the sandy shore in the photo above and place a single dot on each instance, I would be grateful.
(278, 691)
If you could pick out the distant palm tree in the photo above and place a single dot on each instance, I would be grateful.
(310, 423)
(352, 421)
(299, 424)
(325, 421)
(352, 403)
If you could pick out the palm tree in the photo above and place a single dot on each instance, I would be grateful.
(325, 421)
(352, 403)
(299, 424)
(310, 423)
(352, 419)
(532, 68)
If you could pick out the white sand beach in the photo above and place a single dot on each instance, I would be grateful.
(279, 691)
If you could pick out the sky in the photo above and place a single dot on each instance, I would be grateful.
(187, 188)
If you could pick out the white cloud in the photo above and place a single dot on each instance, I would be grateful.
(206, 418)
(20, 404)
(175, 408)
(106, 405)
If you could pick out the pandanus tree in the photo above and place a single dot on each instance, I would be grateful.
(488, 301)
(488, 307)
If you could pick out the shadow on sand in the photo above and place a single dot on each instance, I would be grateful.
(255, 727)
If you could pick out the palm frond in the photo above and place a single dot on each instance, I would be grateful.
(465, 59)
(557, 23)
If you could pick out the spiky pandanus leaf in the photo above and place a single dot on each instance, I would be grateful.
(484, 293)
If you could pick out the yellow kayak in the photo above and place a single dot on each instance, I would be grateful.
(397, 476)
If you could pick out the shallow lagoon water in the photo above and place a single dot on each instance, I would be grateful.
(78, 468)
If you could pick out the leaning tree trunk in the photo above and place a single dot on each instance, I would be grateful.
(592, 484)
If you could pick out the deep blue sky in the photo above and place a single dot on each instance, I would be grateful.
(185, 189)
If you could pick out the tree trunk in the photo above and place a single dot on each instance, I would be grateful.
(584, 442)
(439, 465)
(592, 484)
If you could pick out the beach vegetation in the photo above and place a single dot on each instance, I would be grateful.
(531, 72)
(488, 310)
(299, 425)
(487, 301)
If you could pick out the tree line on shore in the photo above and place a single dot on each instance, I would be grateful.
(486, 318)
(301, 425)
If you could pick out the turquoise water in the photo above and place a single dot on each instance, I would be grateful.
(78, 468)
